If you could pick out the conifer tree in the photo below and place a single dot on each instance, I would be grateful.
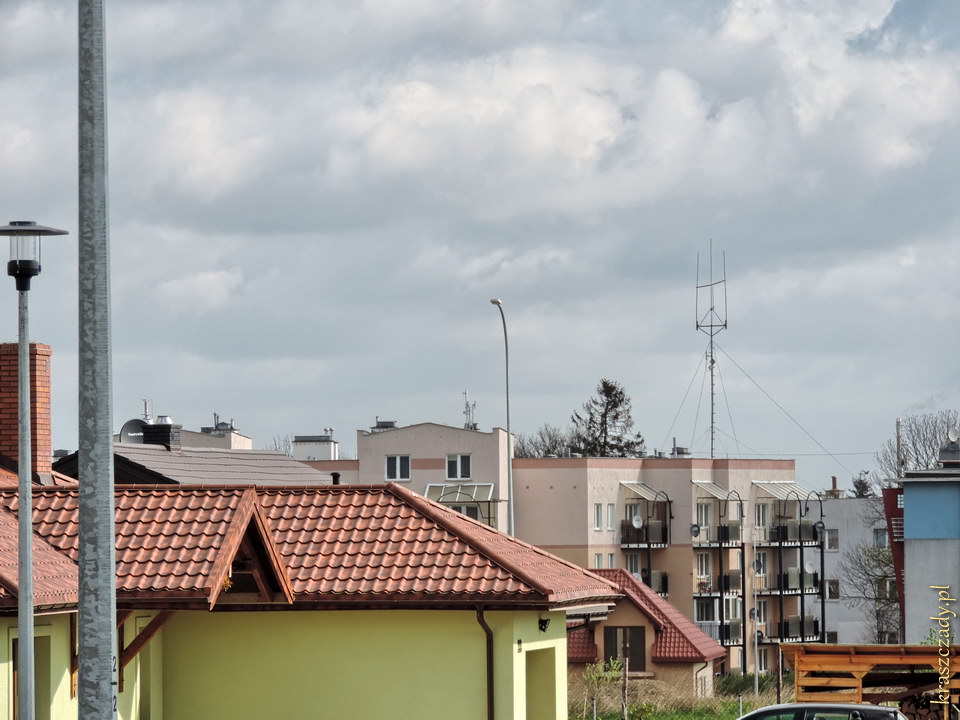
(605, 429)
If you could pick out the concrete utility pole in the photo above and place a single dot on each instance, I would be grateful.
(506, 352)
(97, 683)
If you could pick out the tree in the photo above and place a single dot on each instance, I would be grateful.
(283, 443)
(921, 437)
(547, 440)
(862, 487)
(605, 429)
(869, 583)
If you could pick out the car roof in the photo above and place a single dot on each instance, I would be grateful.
(823, 706)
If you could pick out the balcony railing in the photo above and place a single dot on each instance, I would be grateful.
(897, 525)
(728, 583)
(653, 533)
(794, 629)
(711, 628)
(793, 531)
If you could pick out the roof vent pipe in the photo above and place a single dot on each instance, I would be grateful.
(336, 478)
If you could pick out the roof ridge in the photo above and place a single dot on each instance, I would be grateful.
(430, 508)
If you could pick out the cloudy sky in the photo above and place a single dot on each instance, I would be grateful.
(313, 202)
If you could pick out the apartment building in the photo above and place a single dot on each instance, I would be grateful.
(463, 469)
(736, 545)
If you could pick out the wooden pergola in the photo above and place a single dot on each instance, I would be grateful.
(869, 673)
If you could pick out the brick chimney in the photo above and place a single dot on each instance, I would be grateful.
(42, 444)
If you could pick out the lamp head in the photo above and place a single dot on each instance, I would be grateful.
(24, 261)
(495, 301)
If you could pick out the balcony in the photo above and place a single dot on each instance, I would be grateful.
(729, 534)
(653, 534)
(792, 582)
(897, 525)
(728, 583)
(794, 630)
(726, 633)
(791, 533)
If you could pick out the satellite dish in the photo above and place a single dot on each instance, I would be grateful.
(819, 526)
(132, 432)
(808, 567)
(695, 530)
(637, 522)
(953, 434)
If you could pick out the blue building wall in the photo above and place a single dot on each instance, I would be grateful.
(931, 510)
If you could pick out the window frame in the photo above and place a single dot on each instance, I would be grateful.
(637, 637)
(598, 516)
(833, 546)
(457, 458)
(761, 508)
(704, 512)
(879, 533)
(611, 516)
(598, 561)
(398, 461)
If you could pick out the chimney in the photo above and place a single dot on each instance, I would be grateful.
(162, 433)
(834, 492)
(41, 445)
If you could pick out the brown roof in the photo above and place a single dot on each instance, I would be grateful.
(678, 639)
(54, 575)
(581, 647)
(329, 546)
(204, 466)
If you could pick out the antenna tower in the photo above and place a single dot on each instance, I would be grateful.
(468, 410)
(712, 322)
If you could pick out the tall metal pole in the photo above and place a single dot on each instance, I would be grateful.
(25, 672)
(506, 352)
(97, 684)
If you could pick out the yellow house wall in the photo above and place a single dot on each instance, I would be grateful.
(57, 629)
(357, 664)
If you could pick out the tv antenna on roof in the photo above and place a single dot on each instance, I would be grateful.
(712, 322)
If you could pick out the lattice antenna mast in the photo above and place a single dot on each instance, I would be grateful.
(468, 409)
(711, 322)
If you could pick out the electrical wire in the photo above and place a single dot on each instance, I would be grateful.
(679, 409)
(794, 420)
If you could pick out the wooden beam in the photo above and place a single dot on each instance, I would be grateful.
(258, 574)
(74, 658)
(122, 616)
(144, 636)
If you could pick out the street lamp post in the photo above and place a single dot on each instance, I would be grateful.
(506, 352)
(23, 266)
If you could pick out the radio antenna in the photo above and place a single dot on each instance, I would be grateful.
(711, 322)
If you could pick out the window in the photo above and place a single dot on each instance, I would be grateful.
(833, 589)
(458, 467)
(597, 516)
(900, 500)
(398, 467)
(761, 515)
(611, 515)
(471, 511)
(762, 564)
(634, 563)
(611, 560)
(704, 514)
(889, 637)
(704, 610)
(631, 510)
(880, 537)
(832, 637)
(762, 612)
(763, 660)
(833, 539)
(598, 560)
(732, 608)
(632, 639)
(886, 589)
(703, 564)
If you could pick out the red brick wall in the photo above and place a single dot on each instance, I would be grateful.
(42, 445)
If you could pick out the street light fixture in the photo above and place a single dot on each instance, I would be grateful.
(506, 352)
(23, 266)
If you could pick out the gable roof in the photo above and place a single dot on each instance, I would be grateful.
(678, 638)
(203, 466)
(54, 575)
(326, 547)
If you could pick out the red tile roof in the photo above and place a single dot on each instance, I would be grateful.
(54, 575)
(580, 645)
(327, 546)
(678, 639)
